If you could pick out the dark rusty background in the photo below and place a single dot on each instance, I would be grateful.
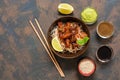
(22, 57)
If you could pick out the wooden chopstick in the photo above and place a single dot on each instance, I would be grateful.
(47, 48)
(48, 45)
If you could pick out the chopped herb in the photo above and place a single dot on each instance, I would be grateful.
(80, 42)
(83, 41)
(86, 39)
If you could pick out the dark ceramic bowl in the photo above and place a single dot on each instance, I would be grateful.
(67, 54)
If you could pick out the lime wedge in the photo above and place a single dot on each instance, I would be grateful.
(65, 8)
(56, 44)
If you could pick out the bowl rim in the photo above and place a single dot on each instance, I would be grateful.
(70, 57)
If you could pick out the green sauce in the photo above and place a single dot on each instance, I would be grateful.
(89, 15)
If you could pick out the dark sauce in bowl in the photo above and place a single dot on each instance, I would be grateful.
(104, 53)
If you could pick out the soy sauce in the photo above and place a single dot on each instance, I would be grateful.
(104, 53)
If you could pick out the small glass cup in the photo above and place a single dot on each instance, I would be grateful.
(89, 15)
(104, 53)
(105, 29)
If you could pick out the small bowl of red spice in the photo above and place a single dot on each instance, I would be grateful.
(105, 29)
